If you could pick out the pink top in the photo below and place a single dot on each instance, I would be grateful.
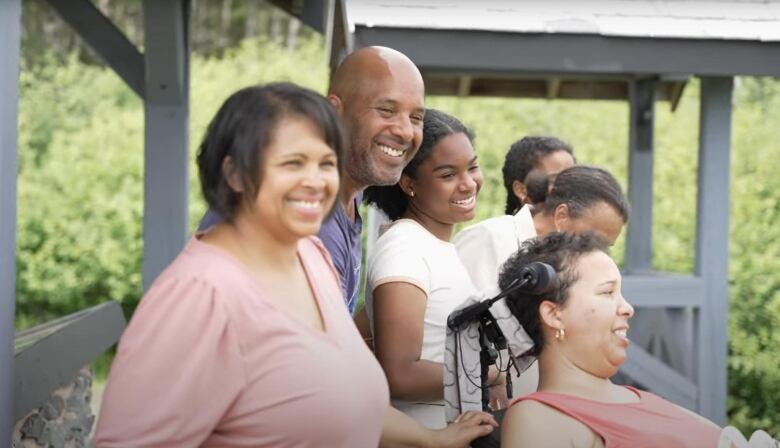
(652, 422)
(208, 360)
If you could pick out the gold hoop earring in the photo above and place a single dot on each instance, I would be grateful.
(560, 334)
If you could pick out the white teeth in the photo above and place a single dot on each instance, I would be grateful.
(468, 201)
(621, 333)
(391, 152)
(306, 204)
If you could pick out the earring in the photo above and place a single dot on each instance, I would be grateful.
(560, 334)
(411, 193)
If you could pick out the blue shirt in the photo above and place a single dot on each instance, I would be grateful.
(341, 236)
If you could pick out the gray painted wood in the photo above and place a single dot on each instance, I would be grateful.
(656, 376)
(751, 20)
(50, 355)
(464, 52)
(712, 236)
(639, 234)
(662, 291)
(105, 38)
(166, 143)
(10, 23)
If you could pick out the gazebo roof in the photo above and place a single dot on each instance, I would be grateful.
(562, 48)
(749, 20)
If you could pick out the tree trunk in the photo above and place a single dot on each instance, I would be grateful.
(293, 28)
(250, 22)
(224, 24)
(276, 25)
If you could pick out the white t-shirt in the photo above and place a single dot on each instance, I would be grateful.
(484, 247)
(407, 252)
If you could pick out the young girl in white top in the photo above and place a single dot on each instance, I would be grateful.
(415, 278)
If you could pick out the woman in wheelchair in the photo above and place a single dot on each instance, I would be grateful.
(579, 331)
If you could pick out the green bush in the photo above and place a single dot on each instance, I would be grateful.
(80, 188)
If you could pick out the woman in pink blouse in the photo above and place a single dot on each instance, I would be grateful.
(244, 339)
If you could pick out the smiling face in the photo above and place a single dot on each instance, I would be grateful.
(595, 317)
(446, 184)
(299, 182)
(383, 120)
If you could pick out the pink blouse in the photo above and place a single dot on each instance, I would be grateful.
(208, 360)
(651, 422)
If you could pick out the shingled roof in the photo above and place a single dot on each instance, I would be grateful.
(754, 20)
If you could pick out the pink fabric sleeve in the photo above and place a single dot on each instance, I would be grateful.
(178, 369)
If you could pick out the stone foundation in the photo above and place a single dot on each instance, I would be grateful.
(64, 421)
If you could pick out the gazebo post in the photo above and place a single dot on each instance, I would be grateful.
(712, 236)
(11, 22)
(166, 141)
(639, 235)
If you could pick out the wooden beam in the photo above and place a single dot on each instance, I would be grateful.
(100, 33)
(659, 378)
(464, 86)
(639, 235)
(663, 291)
(562, 54)
(11, 24)
(49, 355)
(553, 87)
(712, 243)
(166, 118)
(676, 90)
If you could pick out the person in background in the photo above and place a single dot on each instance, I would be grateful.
(243, 340)
(579, 199)
(485, 246)
(579, 332)
(415, 278)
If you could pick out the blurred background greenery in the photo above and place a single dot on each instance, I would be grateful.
(81, 159)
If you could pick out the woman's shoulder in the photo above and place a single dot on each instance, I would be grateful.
(312, 250)
(530, 423)
(405, 232)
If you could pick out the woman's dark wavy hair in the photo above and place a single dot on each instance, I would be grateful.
(243, 128)
(524, 155)
(580, 187)
(559, 250)
(436, 125)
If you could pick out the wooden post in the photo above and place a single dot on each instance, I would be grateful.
(166, 155)
(10, 23)
(712, 236)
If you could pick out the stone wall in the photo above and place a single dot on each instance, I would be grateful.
(64, 421)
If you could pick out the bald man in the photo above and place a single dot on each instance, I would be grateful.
(379, 95)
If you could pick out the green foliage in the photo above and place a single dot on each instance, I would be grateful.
(80, 188)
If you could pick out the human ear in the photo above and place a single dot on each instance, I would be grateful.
(336, 102)
(550, 314)
(519, 190)
(407, 185)
(562, 218)
(231, 176)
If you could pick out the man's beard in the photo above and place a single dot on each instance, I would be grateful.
(363, 168)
